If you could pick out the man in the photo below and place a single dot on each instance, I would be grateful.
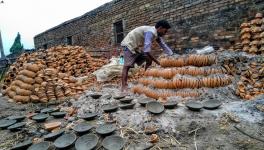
(142, 36)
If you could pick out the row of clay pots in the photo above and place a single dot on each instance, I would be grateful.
(188, 82)
(188, 60)
(169, 73)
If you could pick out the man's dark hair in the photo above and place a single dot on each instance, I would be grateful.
(163, 24)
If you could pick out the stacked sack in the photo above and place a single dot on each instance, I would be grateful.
(251, 34)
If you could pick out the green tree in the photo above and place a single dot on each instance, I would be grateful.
(17, 47)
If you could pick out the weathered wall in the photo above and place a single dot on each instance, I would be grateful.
(196, 23)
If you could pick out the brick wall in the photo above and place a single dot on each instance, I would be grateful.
(195, 23)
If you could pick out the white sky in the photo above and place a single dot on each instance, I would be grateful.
(31, 17)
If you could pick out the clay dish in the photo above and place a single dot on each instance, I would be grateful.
(82, 127)
(53, 135)
(22, 145)
(47, 110)
(126, 100)
(58, 114)
(65, 141)
(144, 101)
(194, 106)
(17, 126)
(17, 118)
(113, 142)
(212, 104)
(105, 129)
(155, 107)
(86, 142)
(88, 116)
(108, 96)
(127, 106)
(170, 105)
(4, 123)
(40, 117)
(40, 146)
(117, 97)
(109, 108)
(96, 95)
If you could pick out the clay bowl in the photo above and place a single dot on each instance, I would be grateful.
(212, 104)
(96, 95)
(170, 105)
(108, 96)
(17, 126)
(117, 97)
(113, 142)
(65, 141)
(18, 118)
(105, 129)
(126, 100)
(40, 146)
(4, 123)
(58, 114)
(127, 106)
(88, 116)
(86, 142)
(40, 117)
(23, 145)
(155, 107)
(82, 127)
(109, 108)
(48, 110)
(53, 135)
(144, 101)
(193, 105)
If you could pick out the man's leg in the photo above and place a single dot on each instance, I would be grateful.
(124, 78)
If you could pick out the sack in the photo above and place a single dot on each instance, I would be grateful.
(109, 71)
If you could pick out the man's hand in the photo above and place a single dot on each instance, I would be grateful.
(158, 63)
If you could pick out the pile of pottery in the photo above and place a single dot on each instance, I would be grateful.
(49, 75)
(179, 75)
(251, 82)
(252, 35)
(80, 135)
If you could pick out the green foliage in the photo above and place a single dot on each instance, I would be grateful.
(17, 47)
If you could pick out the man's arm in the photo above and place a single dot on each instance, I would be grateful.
(147, 46)
(164, 46)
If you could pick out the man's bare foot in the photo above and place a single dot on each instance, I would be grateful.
(124, 89)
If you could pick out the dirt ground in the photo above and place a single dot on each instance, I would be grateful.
(177, 128)
(236, 125)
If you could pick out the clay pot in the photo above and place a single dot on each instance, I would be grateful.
(28, 73)
(259, 15)
(245, 30)
(23, 99)
(32, 67)
(244, 25)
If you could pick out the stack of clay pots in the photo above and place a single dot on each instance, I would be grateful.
(251, 82)
(169, 73)
(188, 60)
(251, 35)
(181, 73)
(33, 77)
(163, 94)
(21, 88)
(71, 60)
(182, 81)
